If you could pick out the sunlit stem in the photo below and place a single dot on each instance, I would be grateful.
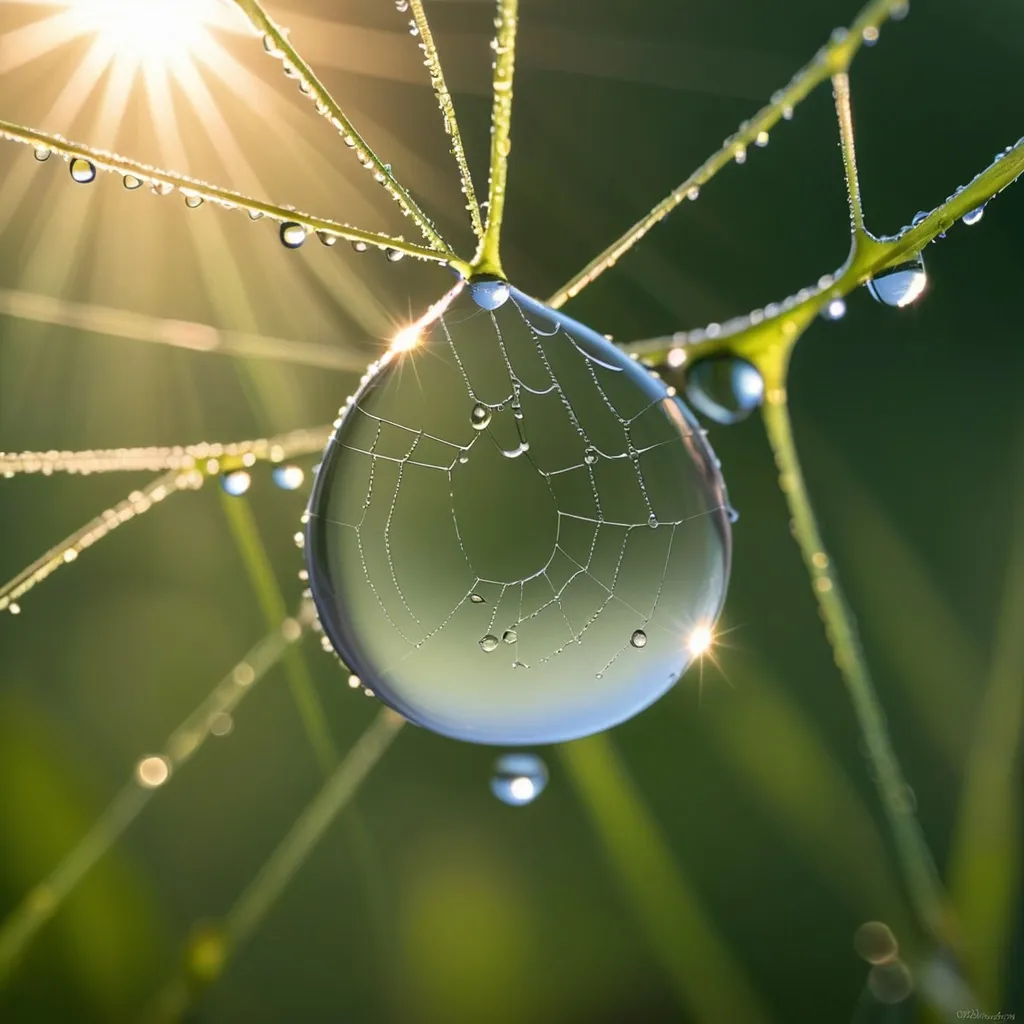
(183, 334)
(68, 550)
(277, 43)
(245, 532)
(780, 323)
(255, 902)
(832, 59)
(46, 898)
(488, 256)
(207, 458)
(445, 102)
(112, 162)
(921, 877)
(841, 92)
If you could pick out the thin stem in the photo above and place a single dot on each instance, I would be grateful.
(246, 535)
(183, 334)
(278, 45)
(164, 179)
(257, 899)
(68, 550)
(207, 458)
(830, 60)
(447, 105)
(45, 899)
(841, 92)
(779, 324)
(921, 877)
(488, 256)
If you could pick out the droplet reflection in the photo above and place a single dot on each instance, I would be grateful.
(518, 779)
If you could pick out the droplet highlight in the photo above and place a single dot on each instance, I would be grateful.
(518, 779)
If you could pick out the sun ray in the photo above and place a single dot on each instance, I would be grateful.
(208, 458)
(40, 904)
(23, 45)
(447, 106)
(277, 44)
(488, 256)
(830, 60)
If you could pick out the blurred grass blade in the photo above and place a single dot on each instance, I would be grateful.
(264, 583)
(701, 969)
(768, 742)
(986, 851)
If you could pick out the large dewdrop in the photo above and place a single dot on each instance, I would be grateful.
(515, 530)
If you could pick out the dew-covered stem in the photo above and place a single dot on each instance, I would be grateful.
(102, 160)
(488, 256)
(43, 901)
(242, 524)
(831, 59)
(920, 875)
(182, 334)
(444, 100)
(257, 899)
(68, 550)
(841, 92)
(278, 44)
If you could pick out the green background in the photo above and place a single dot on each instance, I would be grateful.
(432, 901)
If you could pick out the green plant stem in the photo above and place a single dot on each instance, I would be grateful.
(488, 256)
(277, 41)
(445, 102)
(830, 60)
(246, 535)
(920, 875)
(841, 94)
(45, 899)
(113, 163)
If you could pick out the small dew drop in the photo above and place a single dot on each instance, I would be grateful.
(132, 183)
(724, 388)
(638, 639)
(292, 235)
(973, 216)
(835, 309)
(236, 483)
(480, 417)
(510, 636)
(489, 292)
(42, 154)
(477, 599)
(327, 238)
(255, 214)
(488, 643)
(762, 140)
(161, 188)
(875, 942)
(652, 521)
(890, 982)
(518, 779)
(153, 771)
(288, 478)
(394, 255)
(82, 171)
(870, 35)
(359, 246)
(193, 202)
(590, 456)
(463, 458)
(901, 285)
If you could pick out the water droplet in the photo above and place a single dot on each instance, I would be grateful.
(255, 215)
(480, 417)
(131, 182)
(875, 942)
(42, 154)
(724, 388)
(835, 309)
(477, 599)
(153, 771)
(890, 982)
(161, 188)
(489, 292)
(236, 483)
(394, 255)
(510, 636)
(82, 171)
(498, 520)
(652, 521)
(590, 456)
(899, 286)
(288, 478)
(359, 246)
(973, 216)
(740, 154)
(327, 237)
(870, 35)
(787, 113)
(193, 202)
(463, 458)
(762, 139)
(518, 779)
(292, 235)
(488, 643)
(638, 639)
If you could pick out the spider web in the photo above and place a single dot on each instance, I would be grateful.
(515, 495)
